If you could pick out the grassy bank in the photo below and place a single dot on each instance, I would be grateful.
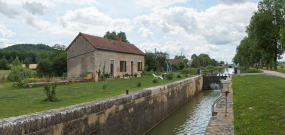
(259, 105)
(15, 101)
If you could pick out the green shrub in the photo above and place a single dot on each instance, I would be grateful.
(170, 76)
(4, 64)
(104, 86)
(19, 73)
(139, 84)
(136, 74)
(50, 91)
(155, 80)
(126, 74)
(181, 65)
(186, 75)
(178, 76)
(118, 76)
(210, 67)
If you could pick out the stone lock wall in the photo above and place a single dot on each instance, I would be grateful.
(132, 114)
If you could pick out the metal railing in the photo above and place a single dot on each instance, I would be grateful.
(220, 98)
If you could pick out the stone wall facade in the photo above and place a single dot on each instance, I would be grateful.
(83, 57)
(132, 114)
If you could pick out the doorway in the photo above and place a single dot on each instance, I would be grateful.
(112, 67)
(132, 68)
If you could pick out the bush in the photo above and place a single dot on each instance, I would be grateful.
(178, 76)
(104, 86)
(126, 75)
(118, 76)
(170, 76)
(18, 73)
(50, 93)
(4, 64)
(139, 84)
(136, 74)
(181, 65)
(186, 71)
(44, 67)
(155, 80)
(210, 67)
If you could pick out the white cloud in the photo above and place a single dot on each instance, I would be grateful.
(232, 1)
(91, 20)
(6, 32)
(146, 33)
(7, 11)
(35, 7)
(213, 47)
(49, 3)
(158, 3)
(38, 24)
(3, 42)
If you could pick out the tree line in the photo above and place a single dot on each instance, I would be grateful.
(264, 43)
(50, 60)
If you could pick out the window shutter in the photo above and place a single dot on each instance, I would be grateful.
(125, 66)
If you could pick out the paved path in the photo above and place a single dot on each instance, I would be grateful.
(223, 124)
(274, 73)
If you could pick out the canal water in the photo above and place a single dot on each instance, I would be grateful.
(191, 119)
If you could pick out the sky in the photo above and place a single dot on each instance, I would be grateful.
(213, 27)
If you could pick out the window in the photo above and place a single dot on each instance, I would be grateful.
(139, 66)
(123, 66)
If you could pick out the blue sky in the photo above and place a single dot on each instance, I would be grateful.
(214, 27)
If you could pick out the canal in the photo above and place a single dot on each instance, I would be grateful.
(192, 118)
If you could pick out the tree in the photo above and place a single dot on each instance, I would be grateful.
(161, 57)
(16, 62)
(27, 62)
(150, 61)
(113, 35)
(59, 64)
(181, 65)
(44, 67)
(4, 64)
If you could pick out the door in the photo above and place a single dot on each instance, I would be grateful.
(132, 68)
(112, 67)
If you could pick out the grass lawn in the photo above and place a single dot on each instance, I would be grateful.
(15, 101)
(4, 72)
(259, 105)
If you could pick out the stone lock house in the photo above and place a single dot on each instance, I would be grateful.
(88, 53)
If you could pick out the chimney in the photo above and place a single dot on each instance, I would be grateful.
(119, 38)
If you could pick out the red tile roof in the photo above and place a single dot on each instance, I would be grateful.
(109, 44)
(175, 61)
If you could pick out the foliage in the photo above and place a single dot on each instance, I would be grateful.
(59, 63)
(50, 91)
(184, 59)
(16, 62)
(155, 80)
(258, 104)
(249, 70)
(4, 64)
(139, 84)
(203, 60)
(18, 73)
(161, 57)
(170, 76)
(27, 62)
(150, 61)
(126, 74)
(136, 74)
(178, 76)
(263, 44)
(113, 35)
(44, 67)
(181, 65)
(118, 76)
(85, 73)
(210, 67)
